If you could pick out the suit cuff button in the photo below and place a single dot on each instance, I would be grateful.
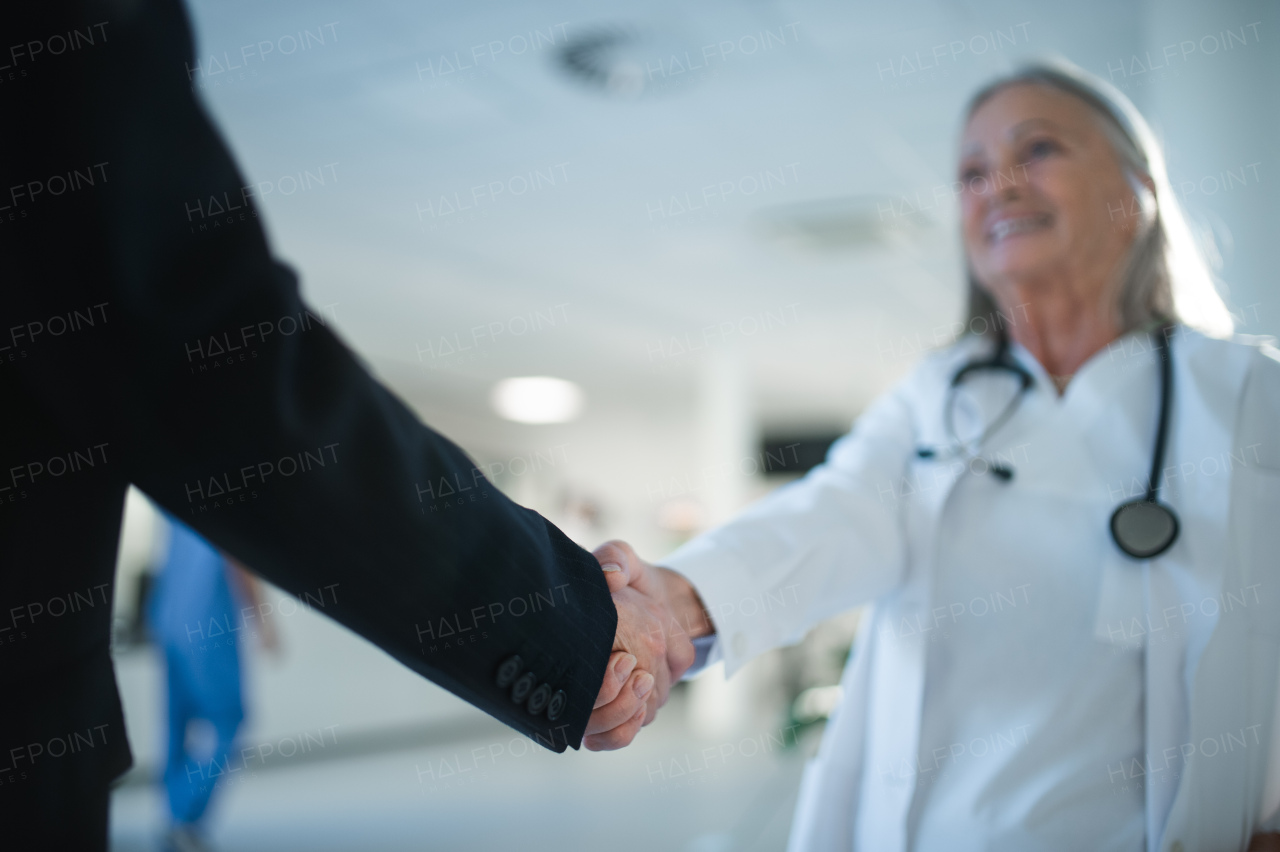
(557, 705)
(539, 699)
(508, 671)
(520, 691)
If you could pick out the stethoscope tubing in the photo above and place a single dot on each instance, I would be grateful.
(1000, 360)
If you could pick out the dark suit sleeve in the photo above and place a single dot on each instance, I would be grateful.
(235, 408)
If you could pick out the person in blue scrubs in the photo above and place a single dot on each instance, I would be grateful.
(196, 617)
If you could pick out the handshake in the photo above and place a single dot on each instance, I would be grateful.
(659, 614)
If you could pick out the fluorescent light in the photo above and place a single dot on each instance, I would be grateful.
(537, 399)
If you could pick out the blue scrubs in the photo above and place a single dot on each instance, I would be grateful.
(196, 619)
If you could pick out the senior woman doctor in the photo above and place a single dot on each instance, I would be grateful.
(1022, 682)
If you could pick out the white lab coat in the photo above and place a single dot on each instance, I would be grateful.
(833, 541)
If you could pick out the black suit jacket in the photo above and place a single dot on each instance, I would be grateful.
(146, 338)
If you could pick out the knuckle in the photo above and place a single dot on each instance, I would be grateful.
(606, 695)
(625, 710)
(612, 549)
(609, 551)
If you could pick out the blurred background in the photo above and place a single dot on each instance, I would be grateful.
(721, 228)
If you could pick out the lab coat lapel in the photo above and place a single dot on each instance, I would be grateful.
(1199, 678)
(895, 690)
(826, 808)
(1232, 703)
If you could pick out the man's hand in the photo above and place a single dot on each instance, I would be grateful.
(658, 614)
(637, 680)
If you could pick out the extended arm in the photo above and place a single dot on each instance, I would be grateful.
(209, 383)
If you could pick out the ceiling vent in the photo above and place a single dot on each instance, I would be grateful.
(628, 63)
(852, 222)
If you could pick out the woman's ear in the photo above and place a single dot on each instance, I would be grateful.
(1144, 192)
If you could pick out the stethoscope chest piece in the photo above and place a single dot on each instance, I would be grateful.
(1144, 528)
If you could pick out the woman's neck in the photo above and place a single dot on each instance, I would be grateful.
(1061, 326)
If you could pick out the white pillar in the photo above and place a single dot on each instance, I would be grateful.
(726, 433)
(726, 453)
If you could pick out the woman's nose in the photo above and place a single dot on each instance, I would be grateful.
(1010, 179)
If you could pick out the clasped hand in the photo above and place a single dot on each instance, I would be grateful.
(659, 614)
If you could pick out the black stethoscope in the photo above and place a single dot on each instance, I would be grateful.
(1142, 528)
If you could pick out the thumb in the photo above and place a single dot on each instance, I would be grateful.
(615, 575)
(615, 564)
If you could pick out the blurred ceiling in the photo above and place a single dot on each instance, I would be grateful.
(591, 190)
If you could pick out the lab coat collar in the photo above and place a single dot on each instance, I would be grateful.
(1092, 387)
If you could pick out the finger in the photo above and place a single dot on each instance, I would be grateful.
(621, 565)
(621, 664)
(630, 700)
(658, 696)
(615, 576)
(618, 737)
(680, 654)
(640, 632)
(612, 556)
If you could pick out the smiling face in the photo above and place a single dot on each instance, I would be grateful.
(1045, 199)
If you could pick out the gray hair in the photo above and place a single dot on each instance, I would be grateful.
(1166, 277)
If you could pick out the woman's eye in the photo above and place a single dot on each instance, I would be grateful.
(1041, 148)
(970, 173)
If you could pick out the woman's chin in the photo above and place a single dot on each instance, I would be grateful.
(1020, 261)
